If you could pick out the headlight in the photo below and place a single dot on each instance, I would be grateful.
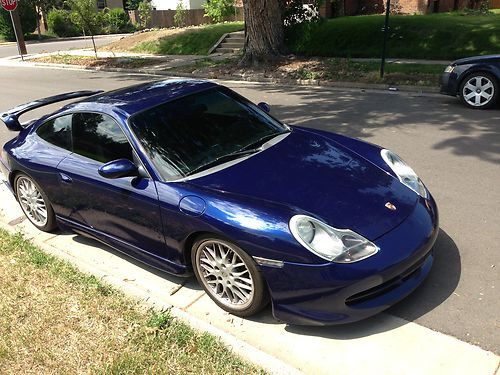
(335, 245)
(449, 69)
(405, 174)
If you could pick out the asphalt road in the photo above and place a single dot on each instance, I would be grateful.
(53, 46)
(456, 151)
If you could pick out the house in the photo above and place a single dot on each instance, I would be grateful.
(101, 4)
(172, 4)
(356, 7)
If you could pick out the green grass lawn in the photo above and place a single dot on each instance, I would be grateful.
(55, 319)
(444, 36)
(191, 42)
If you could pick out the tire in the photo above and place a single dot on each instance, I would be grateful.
(229, 276)
(34, 203)
(479, 90)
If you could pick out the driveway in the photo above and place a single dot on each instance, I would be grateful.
(455, 150)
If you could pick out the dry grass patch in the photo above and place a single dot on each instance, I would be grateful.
(55, 319)
(130, 42)
(323, 69)
(92, 62)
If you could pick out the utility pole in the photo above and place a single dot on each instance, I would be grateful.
(16, 23)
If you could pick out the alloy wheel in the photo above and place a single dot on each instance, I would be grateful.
(225, 275)
(478, 91)
(31, 201)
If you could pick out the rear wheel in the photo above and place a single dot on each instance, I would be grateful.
(229, 276)
(479, 90)
(34, 203)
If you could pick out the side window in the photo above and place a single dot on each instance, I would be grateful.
(98, 137)
(57, 131)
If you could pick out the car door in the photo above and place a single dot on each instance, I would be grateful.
(123, 211)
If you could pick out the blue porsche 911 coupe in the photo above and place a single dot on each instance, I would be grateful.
(190, 177)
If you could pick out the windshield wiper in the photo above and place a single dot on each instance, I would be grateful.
(264, 139)
(224, 158)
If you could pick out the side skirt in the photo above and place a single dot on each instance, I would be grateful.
(123, 247)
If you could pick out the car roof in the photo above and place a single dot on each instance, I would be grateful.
(133, 99)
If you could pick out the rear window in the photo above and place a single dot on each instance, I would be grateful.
(93, 135)
(57, 131)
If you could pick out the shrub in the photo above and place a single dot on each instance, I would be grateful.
(132, 4)
(59, 22)
(295, 12)
(116, 21)
(28, 20)
(181, 14)
(85, 15)
(145, 8)
(218, 10)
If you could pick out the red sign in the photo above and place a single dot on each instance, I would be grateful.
(9, 5)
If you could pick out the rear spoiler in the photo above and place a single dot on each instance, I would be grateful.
(11, 117)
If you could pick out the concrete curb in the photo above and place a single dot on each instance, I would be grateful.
(288, 82)
(65, 39)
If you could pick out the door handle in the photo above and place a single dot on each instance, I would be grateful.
(65, 178)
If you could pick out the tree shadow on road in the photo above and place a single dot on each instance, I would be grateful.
(361, 113)
(347, 111)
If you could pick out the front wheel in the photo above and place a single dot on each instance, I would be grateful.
(34, 203)
(479, 90)
(229, 276)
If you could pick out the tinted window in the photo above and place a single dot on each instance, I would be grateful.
(57, 131)
(98, 137)
(185, 135)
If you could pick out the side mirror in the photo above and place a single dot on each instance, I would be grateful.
(264, 106)
(118, 169)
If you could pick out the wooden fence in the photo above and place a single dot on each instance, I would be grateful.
(165, 18)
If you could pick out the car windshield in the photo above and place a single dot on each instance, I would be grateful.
(199, 131)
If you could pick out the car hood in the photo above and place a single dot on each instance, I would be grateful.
(477, 59)
(311, 174)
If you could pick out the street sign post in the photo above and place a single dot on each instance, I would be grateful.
(11, 7)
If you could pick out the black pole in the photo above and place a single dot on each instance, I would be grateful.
(386, 34)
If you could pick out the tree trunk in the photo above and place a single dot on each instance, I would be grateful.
(93, 43)
(37, 11)
(263, 31)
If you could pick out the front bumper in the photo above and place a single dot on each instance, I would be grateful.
(331, 293)
(448, 84)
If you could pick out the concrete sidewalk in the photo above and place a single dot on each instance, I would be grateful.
(167, 63)
(65, 39)
(391, 60)
(380, 345)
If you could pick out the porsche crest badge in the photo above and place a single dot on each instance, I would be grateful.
(390, 206)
